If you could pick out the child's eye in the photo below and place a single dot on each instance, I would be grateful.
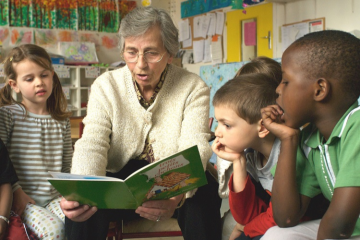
(227, 125)
(28, 79)
(44, 75)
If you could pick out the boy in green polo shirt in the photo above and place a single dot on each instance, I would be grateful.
(320, 86)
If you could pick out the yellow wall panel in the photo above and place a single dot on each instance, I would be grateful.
(264, 19)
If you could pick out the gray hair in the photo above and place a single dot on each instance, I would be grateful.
(141, 19)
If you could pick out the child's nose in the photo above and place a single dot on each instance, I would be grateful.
(278, 90)
(39, 81)
(217, 132)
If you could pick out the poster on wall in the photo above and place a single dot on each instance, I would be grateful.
(125, 7)
(66, 14)
(43, 14)
(88, 15)
(108, 16)
(4, 13)
(20, 13)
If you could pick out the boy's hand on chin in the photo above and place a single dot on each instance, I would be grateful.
(271, 116)
(224, 153)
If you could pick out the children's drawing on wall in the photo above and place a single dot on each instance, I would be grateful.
(43, 13)
(66, 14)
(108, 16)
(46, 38)
(88, 15)
(90, 37)
(4, 16)
(109, 41)
(20, 13)
(67, 36)
(78, 52)
(4, 36)
(21, 36)
(125, 7)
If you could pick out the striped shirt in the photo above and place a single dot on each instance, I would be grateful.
(36, 144)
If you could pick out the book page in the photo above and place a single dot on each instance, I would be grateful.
(61, 175)
(168, 177)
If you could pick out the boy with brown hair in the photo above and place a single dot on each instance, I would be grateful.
(320, 85)
(237, 107)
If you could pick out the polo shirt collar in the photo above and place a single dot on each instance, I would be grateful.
(316, 138)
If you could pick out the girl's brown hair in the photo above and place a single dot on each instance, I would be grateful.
(56, 104)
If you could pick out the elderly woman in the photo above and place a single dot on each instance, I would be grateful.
(141, 113)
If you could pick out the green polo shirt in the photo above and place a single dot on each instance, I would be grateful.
(333, 164)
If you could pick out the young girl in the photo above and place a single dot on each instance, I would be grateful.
(36, 132)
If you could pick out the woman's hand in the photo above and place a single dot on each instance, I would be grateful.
(158, 210)
(76, 212)
(236, 232)
(20, 200)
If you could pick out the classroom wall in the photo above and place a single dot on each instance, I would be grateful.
(114, 56)
(341, 15)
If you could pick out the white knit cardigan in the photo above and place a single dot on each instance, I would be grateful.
(116, 125)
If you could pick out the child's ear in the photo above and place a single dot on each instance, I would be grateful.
(14, 85)
(262, 130)
(322, 89)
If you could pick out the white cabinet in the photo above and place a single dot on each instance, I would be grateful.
(76, 82)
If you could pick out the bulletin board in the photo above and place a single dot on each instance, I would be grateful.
(293, 31)
(191, 24)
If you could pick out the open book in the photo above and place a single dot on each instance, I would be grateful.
(162, 179)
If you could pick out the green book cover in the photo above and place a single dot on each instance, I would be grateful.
(163, 179)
